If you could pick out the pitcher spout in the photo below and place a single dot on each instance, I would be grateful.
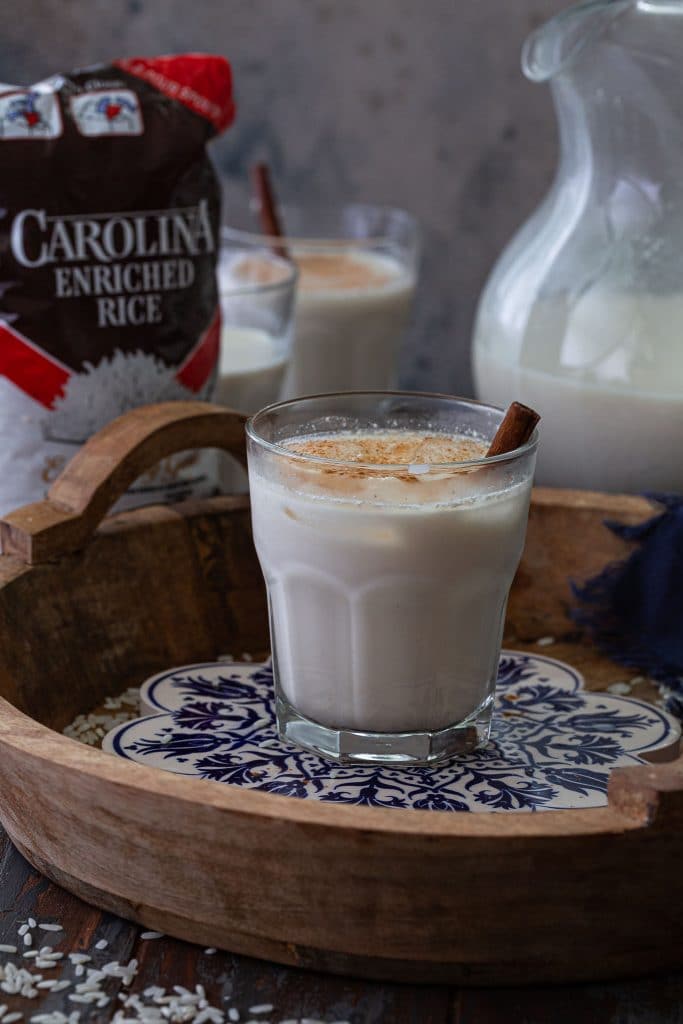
(567, 38)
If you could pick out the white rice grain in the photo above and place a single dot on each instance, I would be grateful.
(209, 1014)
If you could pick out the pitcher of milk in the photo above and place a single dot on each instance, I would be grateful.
(582, 317)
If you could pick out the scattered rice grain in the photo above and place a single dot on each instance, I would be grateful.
(152, 935)
(545, 641)
(56, 1017)
(209, 1014)
(6, 948)
(102, 944)
(46, 926)
(261, 1008)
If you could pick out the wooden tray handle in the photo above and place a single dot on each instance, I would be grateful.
(105, 467)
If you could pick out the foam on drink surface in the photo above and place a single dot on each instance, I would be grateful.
(391, 448)
(345, 271)
(388, 467)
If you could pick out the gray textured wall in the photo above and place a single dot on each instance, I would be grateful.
(417, 103)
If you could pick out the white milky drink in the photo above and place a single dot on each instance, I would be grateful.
(352, 308)
(606, 374)
(257, 291)
(251, 368)
(387, 586)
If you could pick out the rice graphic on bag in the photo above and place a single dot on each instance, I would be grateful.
(108, 245)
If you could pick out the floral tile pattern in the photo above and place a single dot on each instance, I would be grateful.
(553, 744)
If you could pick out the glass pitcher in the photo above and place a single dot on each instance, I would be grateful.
(582, 317)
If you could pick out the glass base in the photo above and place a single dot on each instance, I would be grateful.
(347, 746)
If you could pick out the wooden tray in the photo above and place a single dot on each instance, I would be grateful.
(396, 894)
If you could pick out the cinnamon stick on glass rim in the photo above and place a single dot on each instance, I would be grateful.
(271, 224)
(515, 429)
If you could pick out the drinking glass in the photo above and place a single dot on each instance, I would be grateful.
(387, 584)
(256, 291)
(357, 275)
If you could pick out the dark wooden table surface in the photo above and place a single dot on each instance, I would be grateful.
(233, 981)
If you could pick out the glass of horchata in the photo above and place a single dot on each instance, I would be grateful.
(388, 541)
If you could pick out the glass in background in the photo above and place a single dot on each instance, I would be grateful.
(358, 267)
(257, 290)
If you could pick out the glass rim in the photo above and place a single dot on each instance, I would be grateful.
(280, 449)
(253, 238)
(260, 288)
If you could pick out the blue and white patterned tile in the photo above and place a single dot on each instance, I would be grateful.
(553, 744)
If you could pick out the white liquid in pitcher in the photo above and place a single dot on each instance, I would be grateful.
(351, 310)
(606, 375)
(387, 596)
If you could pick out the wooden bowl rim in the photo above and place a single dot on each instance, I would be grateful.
(32, 739)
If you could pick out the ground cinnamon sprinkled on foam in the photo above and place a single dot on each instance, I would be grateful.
(391, 448)
(320, 271)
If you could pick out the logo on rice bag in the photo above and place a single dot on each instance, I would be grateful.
(30, 114)
(115, 112)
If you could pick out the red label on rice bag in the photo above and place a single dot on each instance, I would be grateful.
(204, 84)
(108, 243)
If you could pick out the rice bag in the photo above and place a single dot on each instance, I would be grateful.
(109, 222)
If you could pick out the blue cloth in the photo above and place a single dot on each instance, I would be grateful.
(633, 610)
